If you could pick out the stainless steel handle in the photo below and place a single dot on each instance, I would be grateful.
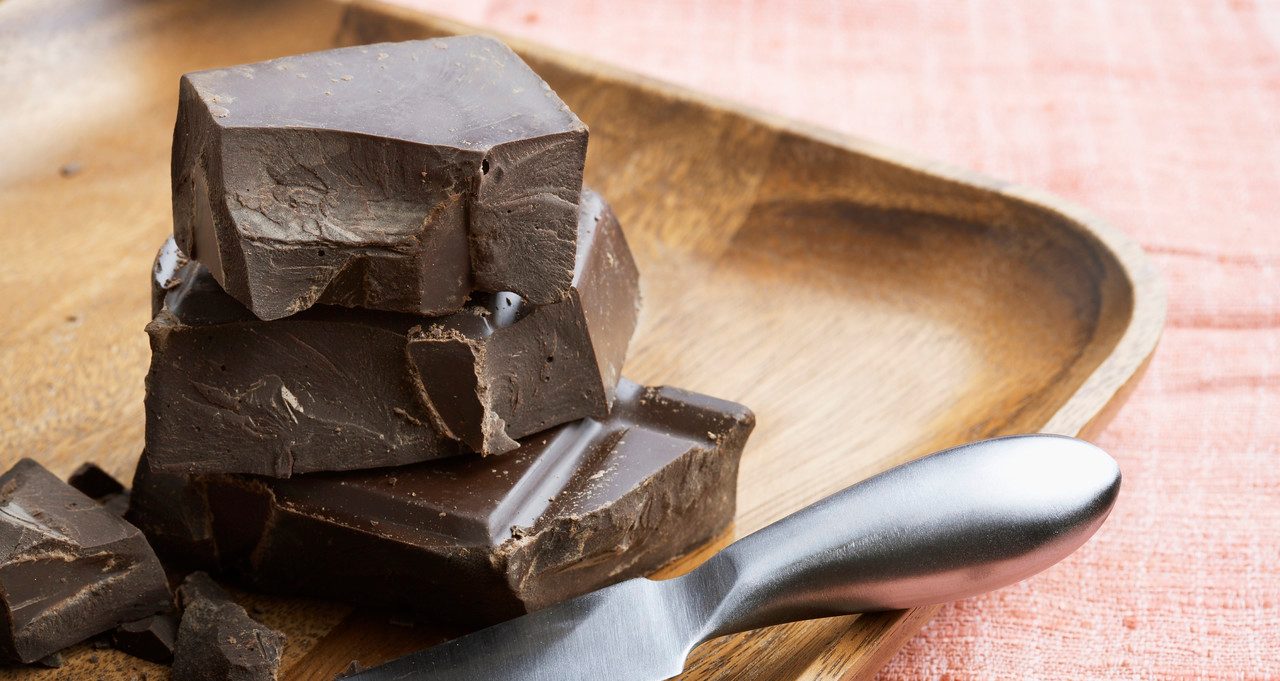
(948, 526)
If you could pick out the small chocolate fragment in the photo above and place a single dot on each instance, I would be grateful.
(573, 509)
(151, 638)
(218, 641)
(335, 389)
(199, 586)
(98, 485)
(69, 568)
(518, 370)
(52, 661)
(396, 176)
(94, 482)
(164, 273)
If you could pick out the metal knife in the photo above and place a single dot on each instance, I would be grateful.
(948, 526)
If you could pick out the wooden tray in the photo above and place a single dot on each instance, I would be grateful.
(870, 307)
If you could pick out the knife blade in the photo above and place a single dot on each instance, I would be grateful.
(948, 526)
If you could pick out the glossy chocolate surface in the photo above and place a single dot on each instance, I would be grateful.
(475, 540)
(396, 176)
(69, 567)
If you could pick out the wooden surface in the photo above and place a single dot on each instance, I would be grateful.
(868, 306)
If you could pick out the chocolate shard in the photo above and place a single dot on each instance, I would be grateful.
(69, 568)
(333, 388)
(395, 176)
(573, 509)
(199, 586)
(492, 378)
(218, 641)
(164, 273)
(151, 638)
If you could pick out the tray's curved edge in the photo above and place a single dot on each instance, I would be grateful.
(1111, 382)
(1088, 408)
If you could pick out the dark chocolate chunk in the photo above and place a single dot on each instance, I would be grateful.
(333, 388)
(151, 638)
(174, 517)
(98, 485)
(218, 641)
(396, 176)
(69, 568)
(477, 540)
(493, 378)
(328, 389)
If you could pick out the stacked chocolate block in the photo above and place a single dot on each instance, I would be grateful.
(387, 343)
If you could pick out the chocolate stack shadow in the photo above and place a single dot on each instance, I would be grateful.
(387, 343)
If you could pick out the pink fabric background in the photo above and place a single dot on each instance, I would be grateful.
(1164, 118)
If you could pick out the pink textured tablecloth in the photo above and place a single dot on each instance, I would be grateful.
(1164, 118)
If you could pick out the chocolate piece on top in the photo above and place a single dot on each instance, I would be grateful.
(396, 176)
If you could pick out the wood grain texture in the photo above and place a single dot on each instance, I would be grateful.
(870, 307)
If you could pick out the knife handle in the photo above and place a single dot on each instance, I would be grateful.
(948, 526)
